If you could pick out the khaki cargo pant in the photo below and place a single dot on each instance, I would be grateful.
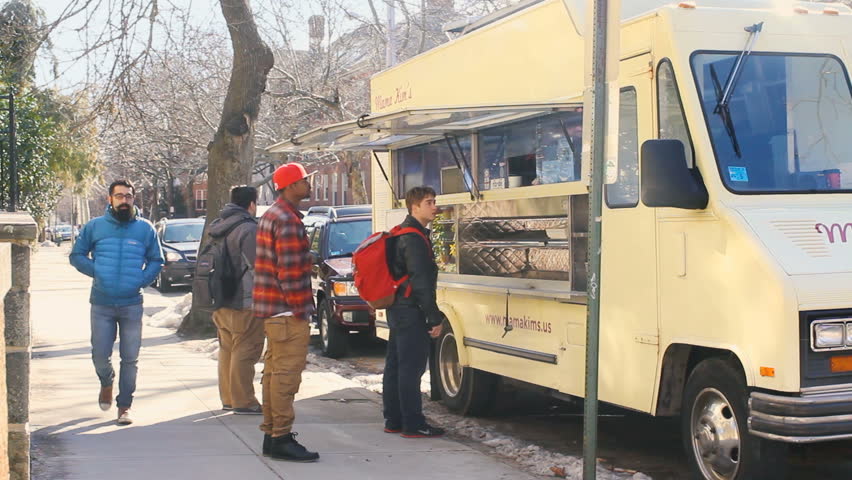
(240, 346)
(287, 341)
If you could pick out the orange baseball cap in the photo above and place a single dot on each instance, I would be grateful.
(288, 174)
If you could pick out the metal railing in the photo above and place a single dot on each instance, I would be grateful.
(9, 192)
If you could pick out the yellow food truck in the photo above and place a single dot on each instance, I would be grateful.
(726, 282)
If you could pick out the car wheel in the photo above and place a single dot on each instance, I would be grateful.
(464, 390)
(162, 284)
(714, 423)
(334, 340)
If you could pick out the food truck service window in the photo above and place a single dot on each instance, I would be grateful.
(531, 152)
(432, 164)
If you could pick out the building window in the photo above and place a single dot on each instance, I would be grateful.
(433, 165)
(531, 152)
(325, 186)
(334, 188)
(201, 199)
(344, 179)
(317, 185)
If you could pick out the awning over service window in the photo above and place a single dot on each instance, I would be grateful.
(384, 132)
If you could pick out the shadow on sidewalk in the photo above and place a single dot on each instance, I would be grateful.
(47, 350)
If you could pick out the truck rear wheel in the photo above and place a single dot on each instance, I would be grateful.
(715, 429)
(464, 390)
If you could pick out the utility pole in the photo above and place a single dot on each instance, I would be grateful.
(601, 99)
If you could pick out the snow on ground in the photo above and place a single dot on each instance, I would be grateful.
(531, 457)
(171, 316)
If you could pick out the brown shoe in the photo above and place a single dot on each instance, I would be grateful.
(124, 416)
(105, 398)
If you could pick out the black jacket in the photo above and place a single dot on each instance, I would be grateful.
(413, 256)
(241, 250)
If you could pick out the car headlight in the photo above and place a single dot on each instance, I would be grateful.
(829, 335)
(345, 289)
(173, 257)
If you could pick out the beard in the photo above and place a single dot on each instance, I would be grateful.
(123, 212)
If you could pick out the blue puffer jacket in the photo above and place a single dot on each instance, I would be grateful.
(125, 257)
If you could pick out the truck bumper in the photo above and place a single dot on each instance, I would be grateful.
(803, 419)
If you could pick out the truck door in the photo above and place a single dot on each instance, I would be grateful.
(629, 339)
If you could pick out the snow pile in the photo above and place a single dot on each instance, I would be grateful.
(208, 347)
(532, 457)
(173, 315)
(48, 244)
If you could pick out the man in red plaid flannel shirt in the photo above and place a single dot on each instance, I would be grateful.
(283, 299)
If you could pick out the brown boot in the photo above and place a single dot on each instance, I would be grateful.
(105, 398)
(124, 416)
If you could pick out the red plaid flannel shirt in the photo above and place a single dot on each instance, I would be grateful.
(282, 269)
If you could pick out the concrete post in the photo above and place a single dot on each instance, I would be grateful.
(20, 230)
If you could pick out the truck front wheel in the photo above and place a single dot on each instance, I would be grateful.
(715, 430)
(464, 390)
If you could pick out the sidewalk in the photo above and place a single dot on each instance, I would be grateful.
(178, 431)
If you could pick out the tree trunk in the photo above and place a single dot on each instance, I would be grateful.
(231, 153)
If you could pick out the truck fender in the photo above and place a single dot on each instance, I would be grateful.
(458, 330)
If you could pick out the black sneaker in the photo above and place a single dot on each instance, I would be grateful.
(267, 445)
(426, 431)
(287, 448)
(227, 408)
(391, 427)
(255, 410)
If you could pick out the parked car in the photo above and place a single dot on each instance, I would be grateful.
(322, 213)
(340, 310)
(180, 238)
(64, 233)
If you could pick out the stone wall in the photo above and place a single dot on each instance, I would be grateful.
(5, 286)
(18, 232)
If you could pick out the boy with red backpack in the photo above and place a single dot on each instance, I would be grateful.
(412, 318)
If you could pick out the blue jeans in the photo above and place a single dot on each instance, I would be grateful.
(405, 363)
(107, 320)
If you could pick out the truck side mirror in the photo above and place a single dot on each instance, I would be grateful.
(666, 179)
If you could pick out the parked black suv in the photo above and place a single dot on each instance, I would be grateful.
(321, 213)
(180, 238)
(339, 308)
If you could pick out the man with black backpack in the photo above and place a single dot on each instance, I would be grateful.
(232, 240)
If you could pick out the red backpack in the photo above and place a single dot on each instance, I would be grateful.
(373, 277)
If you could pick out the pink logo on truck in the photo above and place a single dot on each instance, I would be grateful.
(833, 230)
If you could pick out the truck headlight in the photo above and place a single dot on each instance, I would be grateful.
(345, 289)
(829, 335)
(173, 257)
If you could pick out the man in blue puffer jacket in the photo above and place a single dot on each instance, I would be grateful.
(122, 253)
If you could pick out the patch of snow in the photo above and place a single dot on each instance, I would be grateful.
(532, 458)
(209, 347)
(171, 316)
(48, 244)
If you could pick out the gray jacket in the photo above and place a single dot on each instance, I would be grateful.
(240, 243)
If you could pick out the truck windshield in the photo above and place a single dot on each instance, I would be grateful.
(787, 125)
(344, 237)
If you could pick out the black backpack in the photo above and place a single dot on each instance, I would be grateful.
(216, 281)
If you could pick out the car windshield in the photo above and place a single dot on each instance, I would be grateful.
(344, 237)
(64, 229)
(187, 232)
(786, 126)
